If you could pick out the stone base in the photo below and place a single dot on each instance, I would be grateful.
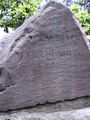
(78, 109)
(81, 114)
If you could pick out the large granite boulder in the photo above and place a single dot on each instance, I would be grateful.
(44, 60)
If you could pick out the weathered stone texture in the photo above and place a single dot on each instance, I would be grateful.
(46, 60)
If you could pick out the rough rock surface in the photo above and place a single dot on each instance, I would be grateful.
(44, 60)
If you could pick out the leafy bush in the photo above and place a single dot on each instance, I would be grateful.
(14, 12)
(83, 17)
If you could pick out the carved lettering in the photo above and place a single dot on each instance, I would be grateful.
(58, 37)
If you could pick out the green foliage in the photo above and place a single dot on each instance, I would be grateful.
(14, 12)
(83, 17)
(75, 8)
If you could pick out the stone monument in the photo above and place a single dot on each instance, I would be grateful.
(45, 60)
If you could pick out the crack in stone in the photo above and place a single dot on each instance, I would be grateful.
(0, 71)
(5, 80)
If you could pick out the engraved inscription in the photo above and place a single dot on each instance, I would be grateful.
(52, 53)
(46, 54)
(56, 37)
